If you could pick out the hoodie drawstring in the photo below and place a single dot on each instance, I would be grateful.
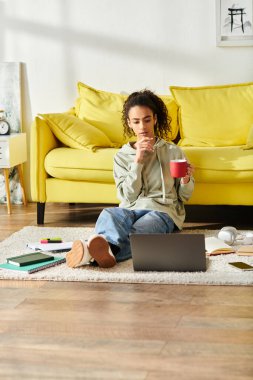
(162, 176)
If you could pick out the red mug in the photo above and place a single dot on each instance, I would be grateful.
(178, 168)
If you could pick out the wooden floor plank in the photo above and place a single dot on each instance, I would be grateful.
(72, 330)
(82, 359)
(189, 375)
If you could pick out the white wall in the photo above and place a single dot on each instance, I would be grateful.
(114, 45)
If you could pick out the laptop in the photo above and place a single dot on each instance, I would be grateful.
(168, 252)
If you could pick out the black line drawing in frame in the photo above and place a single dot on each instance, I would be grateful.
(234, 22)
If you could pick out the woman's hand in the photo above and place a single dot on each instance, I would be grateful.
(145, 144)
(190, 171)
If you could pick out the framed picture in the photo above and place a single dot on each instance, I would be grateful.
(234, 22)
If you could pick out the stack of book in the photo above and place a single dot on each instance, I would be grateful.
(31, 262)
(245, 250)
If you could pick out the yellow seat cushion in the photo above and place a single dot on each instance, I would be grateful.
(214, 115)
(81, 165)
(76, 133)
(221, 164)
(249, 142)
(103, 110)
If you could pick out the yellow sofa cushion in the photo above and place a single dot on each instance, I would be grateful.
(103, 110)
(249, 142)
(172, 109)
(214, 115)
(81, 165)
(212, 165)
(221, 164)
(76, 133)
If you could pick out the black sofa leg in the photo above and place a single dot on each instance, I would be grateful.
(40, 212)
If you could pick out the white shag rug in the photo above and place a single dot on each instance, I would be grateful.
(218, 272)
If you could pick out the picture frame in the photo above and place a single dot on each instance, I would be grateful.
(234, 23)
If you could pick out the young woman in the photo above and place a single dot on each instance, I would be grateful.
(151, 201)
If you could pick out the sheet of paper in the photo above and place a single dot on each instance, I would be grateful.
(50, 246)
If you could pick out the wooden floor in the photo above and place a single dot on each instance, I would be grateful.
(57, 330)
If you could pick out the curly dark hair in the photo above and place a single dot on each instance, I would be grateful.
(148, 99)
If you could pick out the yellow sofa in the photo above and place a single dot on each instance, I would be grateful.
(72, 152)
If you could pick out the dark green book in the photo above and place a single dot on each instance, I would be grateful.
(34, 267)
(29, 259)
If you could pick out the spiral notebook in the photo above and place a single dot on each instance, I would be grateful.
(52, 247)
(34, 267)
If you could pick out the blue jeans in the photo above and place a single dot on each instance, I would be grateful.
(117, 223)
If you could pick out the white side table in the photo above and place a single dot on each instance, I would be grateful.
(13, 153)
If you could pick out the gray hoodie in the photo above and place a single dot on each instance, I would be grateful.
(149, 185)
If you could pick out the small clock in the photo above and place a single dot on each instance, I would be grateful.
(4, 127)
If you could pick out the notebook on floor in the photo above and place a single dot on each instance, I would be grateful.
(168, 252)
